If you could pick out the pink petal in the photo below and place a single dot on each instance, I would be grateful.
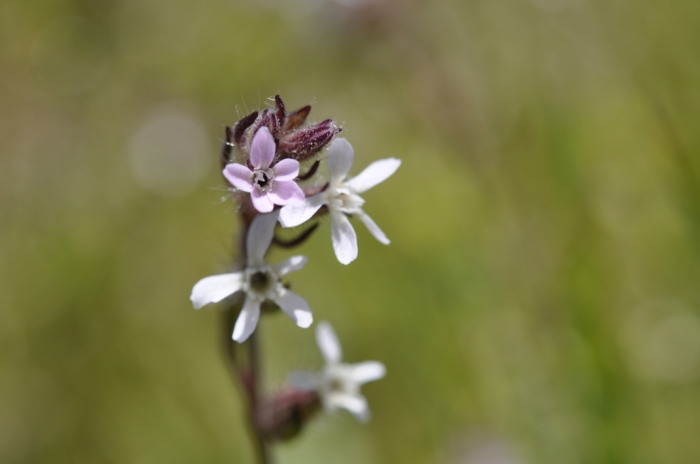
(261, 201)
(262, 150)
(286, 192)
(239, 176)
(287, 169)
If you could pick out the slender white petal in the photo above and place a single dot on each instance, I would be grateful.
(356, 404)
(344, 238)
(340, 155)
(259, 237)
(289, 265)
(373, 228)
(328, 343)
(294, 215)
(302, 380)
(367, 371)
(373, 174)
(247, 320)
(295, 307)
(215, 288)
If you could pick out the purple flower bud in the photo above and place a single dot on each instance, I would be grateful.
(304, 143)
(242, 125)
(284, 416)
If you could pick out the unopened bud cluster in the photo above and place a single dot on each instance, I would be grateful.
(262, 159)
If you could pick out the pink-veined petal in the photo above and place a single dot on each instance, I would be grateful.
(373, 228)
(259, 238)
(356, 404)
(289, 265)
(295, 307)
(262, 150)
(294, 215)
(286, 192)
(306, 381)
(287, 169)
(367, 371)
(373, 174)
(344, 238)
(239, 176)
(328, 343)
(215, 288)
(340, 155)
(247, 320)
(261, 201)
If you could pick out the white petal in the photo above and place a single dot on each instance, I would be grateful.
(340, 155)
(288, 265)
(373, 228)
(259, 237)
(367, 371)
(294, 215)
(328, 343)
(296, 308)
(356, 404)
(307, 381)
(373, 174)
(247, 320)
(344, 238)
(215, 288)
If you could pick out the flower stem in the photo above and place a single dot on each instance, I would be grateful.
(263, 451)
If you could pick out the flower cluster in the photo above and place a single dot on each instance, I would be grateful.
(262, 159)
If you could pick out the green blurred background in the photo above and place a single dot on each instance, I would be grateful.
(539, 302)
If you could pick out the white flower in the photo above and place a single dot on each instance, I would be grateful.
(259, 281)
(342, 199)
(338, 384)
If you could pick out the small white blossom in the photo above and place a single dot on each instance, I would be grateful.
(342, 199)
(338, 384)
(259, 281)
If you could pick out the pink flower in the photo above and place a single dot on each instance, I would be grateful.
(269, 183)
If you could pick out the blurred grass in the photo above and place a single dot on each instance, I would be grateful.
(540, 291)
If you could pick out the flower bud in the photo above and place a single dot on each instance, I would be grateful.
(284, 416)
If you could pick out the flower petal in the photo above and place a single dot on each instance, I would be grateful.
(261, 201)
(294, 215)
(367, 371)
(302, 380)
(286, 192)
(340, 155)
(215, 288)
(288, 265)
(262, 150)
(344, 238)
(295, 307)
(287, 169)
(239, 176)
(356, 404)
(259, 238)
(373, 228)
(328, 343)
(247, 320)
(373, 174)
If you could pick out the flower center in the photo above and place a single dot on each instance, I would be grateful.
(263, 178)
(259, 281)
(344, 200)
